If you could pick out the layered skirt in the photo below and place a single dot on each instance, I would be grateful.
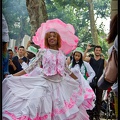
(38, 98)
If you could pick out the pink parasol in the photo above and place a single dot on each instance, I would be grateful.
(66, 31)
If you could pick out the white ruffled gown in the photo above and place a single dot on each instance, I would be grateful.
(51, 94)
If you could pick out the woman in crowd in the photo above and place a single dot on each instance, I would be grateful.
(84, 67)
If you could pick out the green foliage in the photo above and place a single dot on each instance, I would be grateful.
(76, 12)
(104, 45)
(17, 18)
(102, 8)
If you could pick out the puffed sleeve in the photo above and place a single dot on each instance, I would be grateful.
(36, 61)
(67, 69)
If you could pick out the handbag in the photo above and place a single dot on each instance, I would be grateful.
(110, 74)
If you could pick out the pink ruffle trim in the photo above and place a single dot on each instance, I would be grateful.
(68, 105)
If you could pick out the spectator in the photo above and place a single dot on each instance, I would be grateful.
(12, 67)
(84, 67)
(19, 59)
(98, 64)
(11, 53)
(31, 54)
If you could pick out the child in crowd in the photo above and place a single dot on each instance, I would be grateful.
(84, 67)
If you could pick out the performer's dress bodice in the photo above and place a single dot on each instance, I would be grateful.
(53, 62)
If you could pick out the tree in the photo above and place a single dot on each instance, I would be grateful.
(92, 22)
(37, 13)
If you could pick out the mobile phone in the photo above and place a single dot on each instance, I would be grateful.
(92, 45)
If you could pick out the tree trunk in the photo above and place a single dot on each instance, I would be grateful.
(37, 13)
(114, 8)
(92, 23)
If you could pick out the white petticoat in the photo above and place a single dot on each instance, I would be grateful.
(37, 98)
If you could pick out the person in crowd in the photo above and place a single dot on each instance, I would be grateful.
(12, 67)
(98, 64)
(11, 53)
(55, 94)
(31, 54)
(31, 43)
(5, 41)
(19, 59)
(113, 38)
(84, 67)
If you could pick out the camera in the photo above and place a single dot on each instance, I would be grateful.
(92, 45)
